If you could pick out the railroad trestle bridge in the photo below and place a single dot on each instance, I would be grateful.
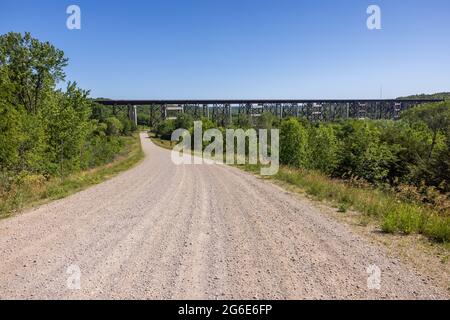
(226, 112)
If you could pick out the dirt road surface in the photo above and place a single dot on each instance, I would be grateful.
(193, 231)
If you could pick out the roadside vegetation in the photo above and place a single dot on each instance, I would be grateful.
(396, 172)
(53, 141)
(440, 95)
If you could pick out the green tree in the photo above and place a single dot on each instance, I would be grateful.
(293, 143)
(432, 165)
(207, 124)
(184, 121)
(435, 115)
(34, 68)
(165, 128)
(323, 148)
(68, 126)
(362, 153)
(9, 125)
(244, 121)
(267, 121)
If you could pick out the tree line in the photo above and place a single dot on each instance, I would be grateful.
(44, 130)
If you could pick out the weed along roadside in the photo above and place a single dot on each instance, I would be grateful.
(392, 214)
(35, 190)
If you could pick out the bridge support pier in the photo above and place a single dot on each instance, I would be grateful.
(132, 114)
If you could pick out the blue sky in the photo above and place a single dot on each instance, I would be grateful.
(245, 49)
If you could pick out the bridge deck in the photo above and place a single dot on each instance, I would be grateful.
(255, 101)
(227, 111)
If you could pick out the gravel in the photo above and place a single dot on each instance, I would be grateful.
(161, 231)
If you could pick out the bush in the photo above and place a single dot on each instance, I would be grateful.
(293, 144)
(128, 126)
(323, 149)
(183, 121)
(9, 135)
(434, 161)
(267, 121)
(164, 129)
(244, 121)
(362, 153)
(114, 126)
(100, 150)
(404, 218)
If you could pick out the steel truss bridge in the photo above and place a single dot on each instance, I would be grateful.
(225, 112)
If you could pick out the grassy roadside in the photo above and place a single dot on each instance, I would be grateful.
(392, 214)
(166, 144)
(369, 211)
(38, 192)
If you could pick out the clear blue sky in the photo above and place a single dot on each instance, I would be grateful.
(245, 49)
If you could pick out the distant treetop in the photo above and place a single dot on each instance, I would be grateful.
(441, 95)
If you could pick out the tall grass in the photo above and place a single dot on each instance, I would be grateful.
(393, 214)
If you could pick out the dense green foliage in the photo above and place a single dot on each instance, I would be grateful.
(293, 142)
(440, 95)
(45, 131)
(413, 151)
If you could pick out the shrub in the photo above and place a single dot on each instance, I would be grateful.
(114, 126)
(9, 135)
(183, 121)
(389, 223)
(404, 218)
(165, 128)
(343, 207)
(293, 143)
(267, 121)
(323, 149)
(128, 126)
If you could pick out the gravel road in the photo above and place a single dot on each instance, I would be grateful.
(193, 231)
